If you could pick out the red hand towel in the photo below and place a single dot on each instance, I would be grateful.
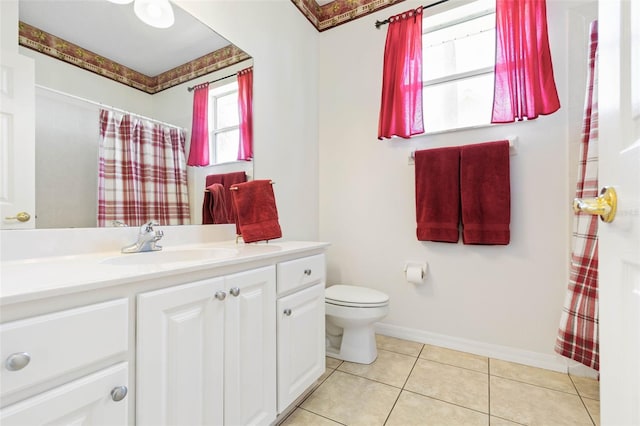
(214, 208)
(438, 194)
(257, 212)
(227, 180)
(485, 193)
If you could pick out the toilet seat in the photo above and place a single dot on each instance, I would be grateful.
(355, 296)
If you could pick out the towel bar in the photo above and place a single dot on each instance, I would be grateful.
(235, 188)
(512, 149)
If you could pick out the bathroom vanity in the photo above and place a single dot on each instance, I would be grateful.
(206, 332)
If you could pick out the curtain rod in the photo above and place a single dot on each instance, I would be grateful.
(107, 106)
(378, 24)
(190, 89)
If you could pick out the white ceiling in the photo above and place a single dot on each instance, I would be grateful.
(113, 31)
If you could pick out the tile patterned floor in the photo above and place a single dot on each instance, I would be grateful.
(415, 384)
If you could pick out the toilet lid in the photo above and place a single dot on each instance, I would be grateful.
(350, 295)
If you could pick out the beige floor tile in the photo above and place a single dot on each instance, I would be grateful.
(332, 363)
(532, 375)
(398, 345)
(328, 372)
(413, 409)
(587, 388)
(534, 405)
(457, 358)
(390, 368)
(593, 406)
(302, 417)
(352, 400)
(451, 384)
(497, 421)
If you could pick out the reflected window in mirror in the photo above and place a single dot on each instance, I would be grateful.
(224, 123)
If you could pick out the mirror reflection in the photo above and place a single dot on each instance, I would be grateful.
(84, 65)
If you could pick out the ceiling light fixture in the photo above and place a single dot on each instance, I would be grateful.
(156, 13)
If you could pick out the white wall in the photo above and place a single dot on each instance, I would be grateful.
(67, 133)
(498, 300)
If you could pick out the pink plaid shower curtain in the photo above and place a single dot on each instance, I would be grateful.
(142, 172)
(578, 333)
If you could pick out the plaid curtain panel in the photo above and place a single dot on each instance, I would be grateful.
(578, 334)
(142, 173)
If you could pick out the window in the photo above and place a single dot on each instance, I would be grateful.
(458, 50)
(224, 123)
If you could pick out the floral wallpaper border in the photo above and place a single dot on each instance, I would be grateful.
(50, 45)
(339, 11)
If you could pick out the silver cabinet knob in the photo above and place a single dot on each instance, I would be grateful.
(307, 272)
(220, 295)
(118, 393)
(17, 361)
(235, 291)
(287, 312)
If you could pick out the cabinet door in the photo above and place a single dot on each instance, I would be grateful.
(180, 355)
(250, 348)
(86, 401)
(301, 343)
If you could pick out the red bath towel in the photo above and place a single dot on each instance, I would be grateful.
(485, 193)
(214, 208)
(257, 213)
(226, 180)
(438, 194)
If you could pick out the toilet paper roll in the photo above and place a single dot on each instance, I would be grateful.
(415, 274)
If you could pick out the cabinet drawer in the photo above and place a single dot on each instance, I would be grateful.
(300, 273)
(48, 346)
(88, 400)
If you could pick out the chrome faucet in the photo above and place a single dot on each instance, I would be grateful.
(147, 239)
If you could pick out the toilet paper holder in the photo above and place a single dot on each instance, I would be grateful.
(413, 265)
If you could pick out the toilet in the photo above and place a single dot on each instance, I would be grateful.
(351, 311)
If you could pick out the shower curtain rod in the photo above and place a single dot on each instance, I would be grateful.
(190, 89)
(108, 107)
(378, 24)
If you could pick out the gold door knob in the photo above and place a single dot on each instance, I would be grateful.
(605, 205)
(21, 217)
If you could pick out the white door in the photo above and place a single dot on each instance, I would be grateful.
(17, 141)
(301, 342)
(619, 251)
(97, 399)
(250, 348)
(179, 366)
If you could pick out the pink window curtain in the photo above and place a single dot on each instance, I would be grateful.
(524, 83)
(245, 109)
(199, 148)
(401, 105)
(578, 334)
(142, 173)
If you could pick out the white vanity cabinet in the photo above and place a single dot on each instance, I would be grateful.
(226, 341)
(300, 323)
(68, 367)
(206, 352)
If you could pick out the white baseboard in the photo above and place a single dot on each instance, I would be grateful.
(505, 353)
(577, 369)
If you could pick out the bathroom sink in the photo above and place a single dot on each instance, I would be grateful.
(171, 256)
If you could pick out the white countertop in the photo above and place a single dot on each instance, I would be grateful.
(28, 279)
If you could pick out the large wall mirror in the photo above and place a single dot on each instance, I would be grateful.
(94, 54)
